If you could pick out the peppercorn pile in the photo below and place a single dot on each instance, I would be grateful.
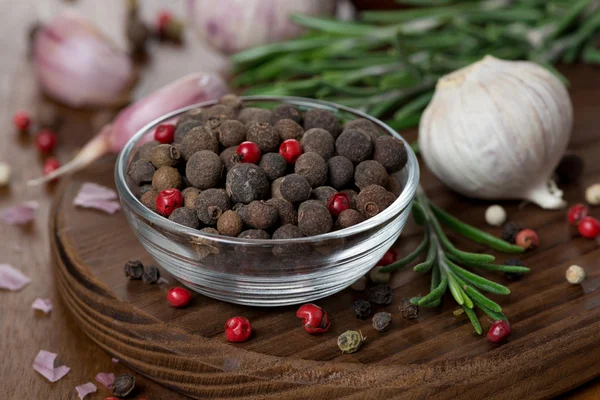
(280, 173)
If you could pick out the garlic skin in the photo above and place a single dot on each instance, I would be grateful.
(497, 130)
(79, 66)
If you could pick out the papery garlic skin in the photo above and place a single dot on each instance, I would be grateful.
(79, 66)
(497, 130)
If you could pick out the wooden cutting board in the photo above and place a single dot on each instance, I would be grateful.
(555, 345)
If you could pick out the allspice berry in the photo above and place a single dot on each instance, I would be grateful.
(165, 155)
(265, 137)
(352, 194)
(288, 232)
(313, 168)
(230, 224)
(394, 185)
(314, 218)
(319, 141)
(145, 150)
(198, 139)
(247, 182)
(146, 188)
(364, 125)
(149, 199)
(204, 169)
(323, 193)
(231, 133)
(260, 215)
(252, 114)
(286, 211)
(190, 194)
(295, 188)
(211, 204)
(229, 157)
(324, 119)
(186, 217)
(288, 129)
(275, 188)
(195, 114)
(254, 234)
(274, 165)
(372, 200)
(286, 111)
(218, 110)
(341, 172)
(141, 171)
(348, 218)
(370, 172)
(390, 152)
(232, 101)
(182, 129)
(355, 145)
(165, 178)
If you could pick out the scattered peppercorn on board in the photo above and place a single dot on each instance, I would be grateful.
(553, 346)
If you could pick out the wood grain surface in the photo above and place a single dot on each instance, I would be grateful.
(543, 307)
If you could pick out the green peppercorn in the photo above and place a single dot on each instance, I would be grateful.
(350, 341)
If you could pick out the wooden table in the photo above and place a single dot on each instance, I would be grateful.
(22, 332)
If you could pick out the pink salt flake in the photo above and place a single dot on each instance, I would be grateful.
(92, 195)
(85, 389)
(44, 364)
(12, 279)
(44, 305)
(19, 214)
(107, 379)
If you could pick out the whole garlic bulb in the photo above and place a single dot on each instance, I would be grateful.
(497, 130)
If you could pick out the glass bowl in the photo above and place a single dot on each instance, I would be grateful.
(266, 272)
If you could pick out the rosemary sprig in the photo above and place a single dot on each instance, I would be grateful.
(448, 265)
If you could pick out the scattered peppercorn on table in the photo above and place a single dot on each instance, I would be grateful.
(552, 347)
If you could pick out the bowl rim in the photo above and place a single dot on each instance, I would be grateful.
(397, 207)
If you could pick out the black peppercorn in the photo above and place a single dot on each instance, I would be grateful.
(355, 145)
(252, 114)
(288, 232)
(260, 215)
(341, 172)
(123, 385)
(165, 155)
(149, 199)
(286, 111)
(165, 178)
(394, 186)
(134, 269)
(513, 276)
(151, 275)
(186, 217)
(569, 169)
(312, 167)
(274, 165)
(220, 111)
(348, 218)
(288, 129)
(204, 169)
(141, 171)
(319, 141)
(319, 118)
(232, 101)
(362, 309)
(314, 218)
(182, 129)
(323, 193)
(198, 139)
(190, 195)
(294, 188)
(370, 172)
(510, 231)
(211, 204)
(364, 125)
(390, 152)
(380, 294)
(409, 310)
(247, 182)
(254, 234)
(145, 150)
(231, 133)
(286, 211)
(372, 200)
(382, 321)
(265, 137)
(230, 224)
(275, 188)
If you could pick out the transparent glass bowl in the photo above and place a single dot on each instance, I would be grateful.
(266, 272)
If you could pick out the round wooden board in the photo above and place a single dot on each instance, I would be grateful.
(553, 348)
